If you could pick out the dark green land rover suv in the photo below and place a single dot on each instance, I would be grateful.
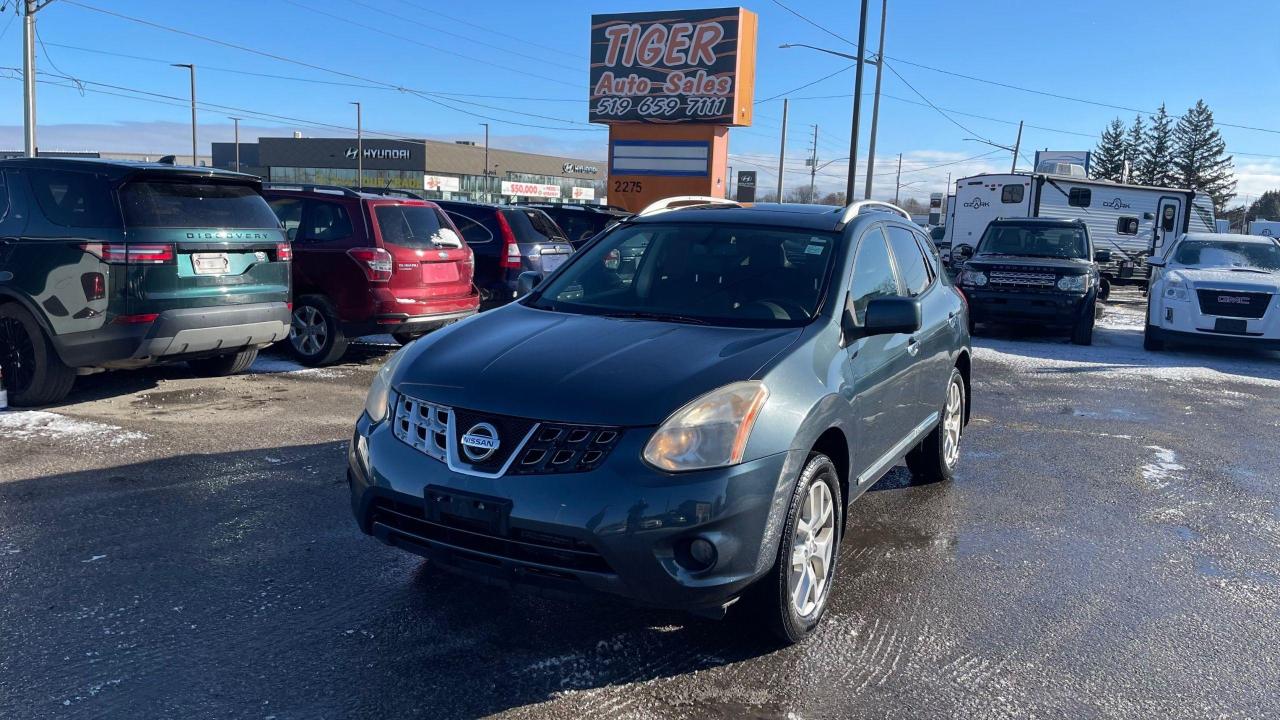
(107, 265)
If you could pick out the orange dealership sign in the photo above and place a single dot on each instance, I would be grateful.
(683, 66)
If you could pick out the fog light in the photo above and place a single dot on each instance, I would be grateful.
(696, 555)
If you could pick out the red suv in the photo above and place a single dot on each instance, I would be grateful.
(367, 263)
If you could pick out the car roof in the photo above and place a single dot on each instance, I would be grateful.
(1230, 237)
(121, 168)
(827, 218)
(1037, 221)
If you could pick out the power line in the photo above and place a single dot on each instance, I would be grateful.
(808, 84)
(816, 25)
(425, 95)
(490, 30)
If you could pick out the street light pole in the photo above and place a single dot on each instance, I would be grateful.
(359, 147)
(857, 105)
(1017, 147)
(488, 186)
(875, 107)
(192, 69)
(29, 9)
(897, 190)
(236, 121)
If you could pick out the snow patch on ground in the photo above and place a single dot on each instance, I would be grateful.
(282, 366)
(25, 424)
(1163, 468)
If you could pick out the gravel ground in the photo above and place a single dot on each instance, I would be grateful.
(178, 547)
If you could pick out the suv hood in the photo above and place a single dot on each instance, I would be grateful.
(581, 368)
(1224, 279)
(1071, 266)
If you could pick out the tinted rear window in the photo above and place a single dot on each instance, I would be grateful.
(414, 226)
(532, 225)
(158, 203)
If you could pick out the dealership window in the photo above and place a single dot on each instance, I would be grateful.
(1012, 193)
(1080, 197)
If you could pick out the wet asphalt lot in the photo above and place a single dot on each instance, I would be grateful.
(172, 547)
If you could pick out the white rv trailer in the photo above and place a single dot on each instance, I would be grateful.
(1124, 219)
(1269, 228)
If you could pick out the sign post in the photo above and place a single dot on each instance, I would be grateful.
(670, 85)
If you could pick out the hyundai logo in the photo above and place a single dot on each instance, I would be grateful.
(480, 442)
(352, 153)
(1116, 204)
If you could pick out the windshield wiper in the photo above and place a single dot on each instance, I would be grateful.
(1252, 270)
(661, 317)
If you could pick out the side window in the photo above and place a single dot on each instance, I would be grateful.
(74, 199)
(911, 264)
(325, 221)
(1080, 197)
(1167, 218)
(473, 232)
(289, 210)
(931, 257)
(873, 275)
(1127, 226)
(1012, 193)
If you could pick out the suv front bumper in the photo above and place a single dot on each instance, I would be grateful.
(1050, 308)
(616, 529)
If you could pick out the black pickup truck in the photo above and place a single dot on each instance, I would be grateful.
(1037, 271)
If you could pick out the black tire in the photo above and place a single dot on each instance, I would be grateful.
(315, 333)
(1104, 289)
(1150, 342)
(770, 598)
(1082, 333)
(929, 461)
(404, 338)
(33, 372)
(222, 365)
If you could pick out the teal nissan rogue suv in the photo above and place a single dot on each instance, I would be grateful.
(685, 430)
(107, 265)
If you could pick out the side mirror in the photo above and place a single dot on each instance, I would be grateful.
(1156, 262)
(964, 251)
(1102, 256)
(891, 316)
(526, 283)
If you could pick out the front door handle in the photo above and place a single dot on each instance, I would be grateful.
(913, 346)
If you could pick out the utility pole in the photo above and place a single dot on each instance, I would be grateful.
(191, 69)
(29, 10)
(731, 185)
(857, 106)
(782, 148)
(898, 183)
(875, 106)
(1017, 147)
(236, 120)
(813, 162)
(359, 147)
(488, 186)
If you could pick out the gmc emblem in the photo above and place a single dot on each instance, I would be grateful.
(1232, 300)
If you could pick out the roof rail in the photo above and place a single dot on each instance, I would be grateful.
(855, 209)
(390, 192)
(682, 201)
(309, 187)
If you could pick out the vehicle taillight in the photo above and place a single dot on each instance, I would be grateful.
(284, 252)
(375, 262)
(137, 254)
(95, 286)
(136, 319)
(511, 258)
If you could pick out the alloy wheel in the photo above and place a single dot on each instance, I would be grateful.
(17, 355)
(812, 549)
(309, 332)
(952, 423)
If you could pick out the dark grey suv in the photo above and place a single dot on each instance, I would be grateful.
(687, 432)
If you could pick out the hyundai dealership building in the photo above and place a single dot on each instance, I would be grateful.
(436, 170)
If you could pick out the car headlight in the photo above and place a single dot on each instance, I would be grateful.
(973, 277)
(1176, 292)
(1073, 283)
(709, 432)
(375, 403)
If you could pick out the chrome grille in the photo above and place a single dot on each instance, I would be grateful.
(423, 425)
(1023, 279)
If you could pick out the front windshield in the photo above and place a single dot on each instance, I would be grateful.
(716, 275)
(1220, 254)
(1031, 241)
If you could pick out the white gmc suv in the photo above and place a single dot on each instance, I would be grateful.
(1215, 289)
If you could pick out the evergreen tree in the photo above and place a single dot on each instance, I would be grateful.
(1108, 158)
(1201, 161)
(1156, 164)
(1266, 207)
(1135, 144)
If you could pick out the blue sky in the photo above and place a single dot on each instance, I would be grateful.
(1131, 54)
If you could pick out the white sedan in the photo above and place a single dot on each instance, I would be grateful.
(1217, 289)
